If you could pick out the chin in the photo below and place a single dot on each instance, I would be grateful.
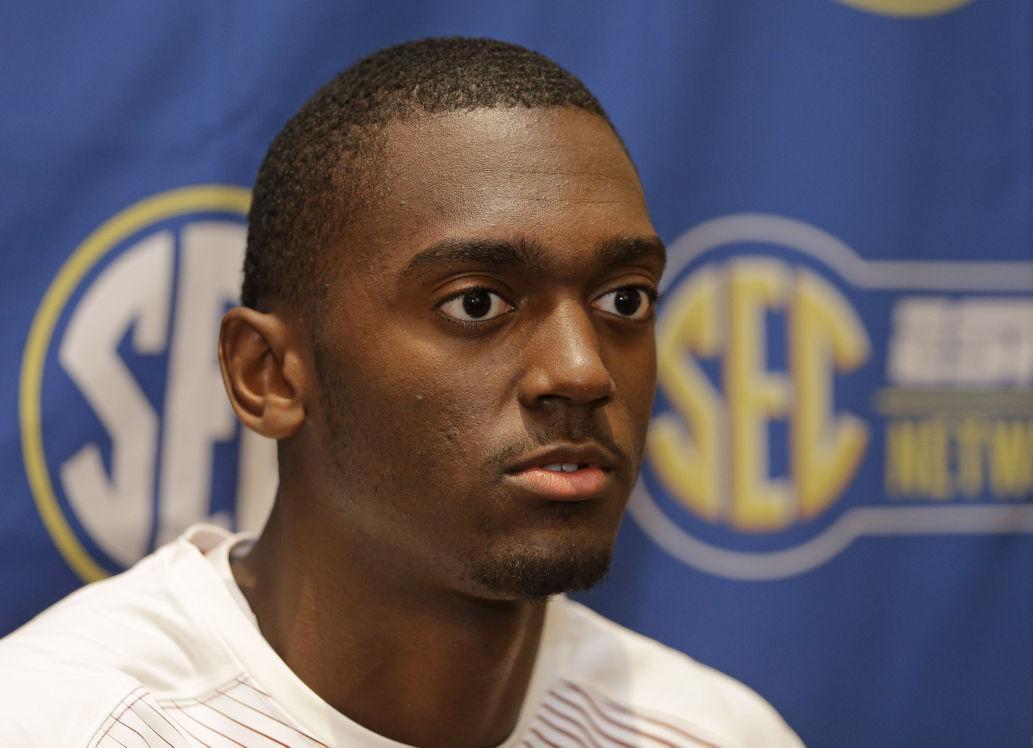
(537, 572)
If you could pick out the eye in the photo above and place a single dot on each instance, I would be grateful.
(629, 302)
(475, 305)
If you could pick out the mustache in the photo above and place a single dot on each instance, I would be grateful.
(551, 436)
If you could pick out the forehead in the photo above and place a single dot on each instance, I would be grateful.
(559, 177)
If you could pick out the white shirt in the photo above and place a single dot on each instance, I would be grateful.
(169, 654)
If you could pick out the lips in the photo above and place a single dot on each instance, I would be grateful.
(575, 473)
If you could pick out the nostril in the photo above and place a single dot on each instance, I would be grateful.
(586, 399)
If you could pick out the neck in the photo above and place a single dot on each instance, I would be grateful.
(423, 667)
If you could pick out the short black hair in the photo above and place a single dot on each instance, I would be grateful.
(317, 172)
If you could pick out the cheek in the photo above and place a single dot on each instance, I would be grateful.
(633, 368)
(635, 375)
(462, 422)
(418, 415)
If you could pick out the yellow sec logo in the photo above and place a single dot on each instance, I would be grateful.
(809, 396)
(907, 8)
(754, 440)
(712, 451)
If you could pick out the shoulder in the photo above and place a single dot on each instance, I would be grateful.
(62, 704)
(146, 623)
(614, 671)
(113, 646)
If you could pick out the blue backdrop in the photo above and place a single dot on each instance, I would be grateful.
(837, 503)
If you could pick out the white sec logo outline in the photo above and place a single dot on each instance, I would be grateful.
(151, 211)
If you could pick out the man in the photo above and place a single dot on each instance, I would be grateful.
(447, 323)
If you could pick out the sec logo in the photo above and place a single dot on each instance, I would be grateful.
(808, 396)
(907, 8)
(127, 435)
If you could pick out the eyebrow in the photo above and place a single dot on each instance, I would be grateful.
(627, 249)
(530, 254)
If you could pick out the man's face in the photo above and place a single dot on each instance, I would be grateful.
(486, 364)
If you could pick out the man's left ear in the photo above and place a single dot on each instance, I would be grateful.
(264, 371)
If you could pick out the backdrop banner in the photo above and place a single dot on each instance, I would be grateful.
(836, 504)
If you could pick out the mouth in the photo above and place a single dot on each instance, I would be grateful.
(565, 473)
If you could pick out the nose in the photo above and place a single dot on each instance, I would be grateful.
(564, 362)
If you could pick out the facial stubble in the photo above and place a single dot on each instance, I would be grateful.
(537, 572)
(502, 569)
